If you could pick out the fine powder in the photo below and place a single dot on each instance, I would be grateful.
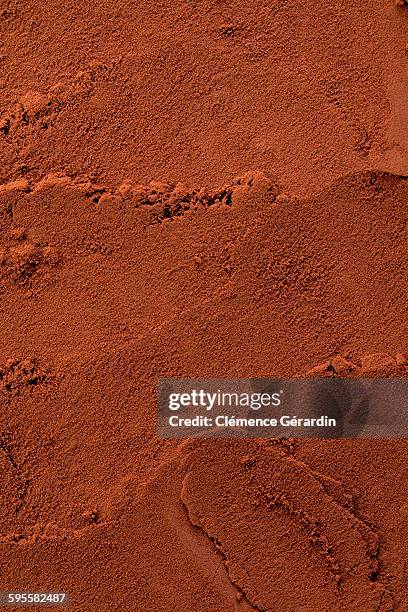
(199, 188)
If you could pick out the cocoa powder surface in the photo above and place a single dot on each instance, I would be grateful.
(203, 189)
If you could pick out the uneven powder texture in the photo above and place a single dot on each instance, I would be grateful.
(204, 189)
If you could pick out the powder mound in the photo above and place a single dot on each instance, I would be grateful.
(19, 263)
(18, 185)
(33, 110)
(401, 359)
(17, 375)
(175, 200)
(371, 364)
(166, 200)
(36, 111)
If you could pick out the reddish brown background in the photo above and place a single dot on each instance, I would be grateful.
(199, 188)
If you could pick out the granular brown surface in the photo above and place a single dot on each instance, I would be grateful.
(199, 188)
